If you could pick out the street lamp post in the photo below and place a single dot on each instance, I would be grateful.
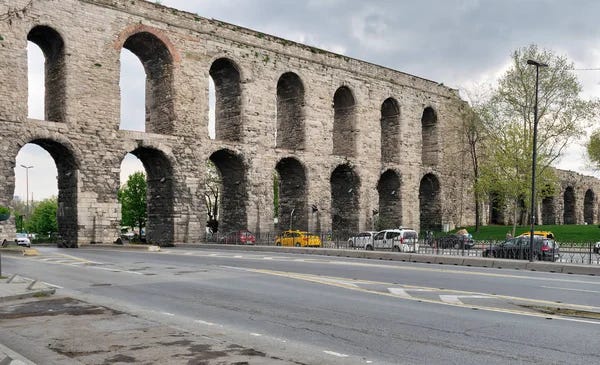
(534, 158)
(27, 184)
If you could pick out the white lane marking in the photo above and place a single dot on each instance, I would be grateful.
(207, 323)
(212, 254)
(267, 258)
(368, 362)
(255, 334)
(116, 270)
(238, 257)
(333, 353)
(581, 290)
(168, 314)
(401, 292)
(52, 285)
(455, 299)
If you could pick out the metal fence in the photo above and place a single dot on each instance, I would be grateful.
(572, 253)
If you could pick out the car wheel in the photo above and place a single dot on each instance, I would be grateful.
(396, 249)
(278, 244)
(369, 248)
(297, 244)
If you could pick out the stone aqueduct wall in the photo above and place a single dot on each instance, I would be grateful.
(318, 119)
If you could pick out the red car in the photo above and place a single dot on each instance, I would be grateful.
(241, 237)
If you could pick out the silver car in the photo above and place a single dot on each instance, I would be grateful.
(362, 240)
(22, 240)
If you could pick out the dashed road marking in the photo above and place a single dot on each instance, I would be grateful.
(570, 289)
(455, 299)
(168, 314)
(401, 292)
(333, 353)
(255, 334)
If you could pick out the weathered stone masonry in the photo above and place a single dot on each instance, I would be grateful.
(352, 142)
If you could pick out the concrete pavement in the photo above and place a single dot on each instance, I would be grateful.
(16, 287)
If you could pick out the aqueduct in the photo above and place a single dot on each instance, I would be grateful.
(351, 142)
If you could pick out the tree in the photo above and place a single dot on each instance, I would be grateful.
(508, 119)
(132, 197)
(43, 218)
(593, 148)
(212, 191)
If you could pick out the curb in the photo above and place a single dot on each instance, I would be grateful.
(8, 356)
(31, 294)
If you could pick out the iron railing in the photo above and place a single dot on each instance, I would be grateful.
(572, 253)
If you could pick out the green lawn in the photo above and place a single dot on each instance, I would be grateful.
(563, 233)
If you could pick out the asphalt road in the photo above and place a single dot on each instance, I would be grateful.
(324, 310)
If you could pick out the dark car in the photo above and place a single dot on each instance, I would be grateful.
(545, 249)
(456, 241)
(240, 237)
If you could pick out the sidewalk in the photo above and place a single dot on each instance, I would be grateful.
(17, 287)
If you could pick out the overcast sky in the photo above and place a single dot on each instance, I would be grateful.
(459, 43)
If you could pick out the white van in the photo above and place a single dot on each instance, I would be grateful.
(399, 240)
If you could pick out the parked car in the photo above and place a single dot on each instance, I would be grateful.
(239, 237)
(362, 239)
(298, 239)
(456, 240)
(399, 240)
(22, 240)
(545, 249)
(597, 248)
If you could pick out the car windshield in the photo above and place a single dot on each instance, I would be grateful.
(21, 235)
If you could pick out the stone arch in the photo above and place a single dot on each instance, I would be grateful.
(390, 203)
(588, 206)
(290, 112)
(233, 199)
(160, 224)
(228, 99)
(390, 131)
(67, 166)
(345, 185)
(430, 203)
(52, 45)
(429, 137)
(344, 122)
(569, 206)
(293, 194)
(548, 210)
(157, 60)
(496, 208)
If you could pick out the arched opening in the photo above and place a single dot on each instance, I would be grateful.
(52, 46)
(290, 112)
(233, 199)
(133, 196)
(293, 204)
(345, 186)
(522, 213)
(344, 121)
(429, 135)
(390, 131)
(430, 203)
(569, 206)
(158, 66)
(548, 210)
(160, 225)
(32, 168)
(496, 208)
(132, 83)
(588, 207)
(228, 100)
(390, 203)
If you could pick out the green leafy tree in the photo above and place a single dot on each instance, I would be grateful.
(43, 218)
(132, 197)
(212, 193)
(508, 120)
(593, 148)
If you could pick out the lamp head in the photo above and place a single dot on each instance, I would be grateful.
(536, 63)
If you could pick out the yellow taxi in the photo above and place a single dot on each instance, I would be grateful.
(298, 239)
